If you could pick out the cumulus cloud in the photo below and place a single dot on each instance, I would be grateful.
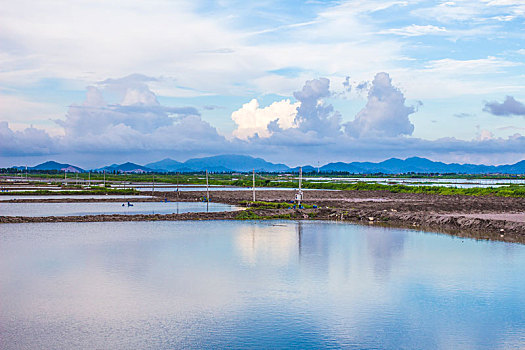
(308, 130)
(362, 86)
(309, 116)
(508, 107)
(485, 135)
(28, 142)
(313, 114)
(141, 125)
(139, 111)
(137, 123)
(347, 85)
(385, 113)
(252, 120)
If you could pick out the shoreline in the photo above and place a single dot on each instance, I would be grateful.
(462, 216)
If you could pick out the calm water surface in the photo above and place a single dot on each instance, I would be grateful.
(71, 196)
(223, 284)
(97, 208)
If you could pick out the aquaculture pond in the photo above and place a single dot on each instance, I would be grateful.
(97, 208)
(247, 284)
(71, 196)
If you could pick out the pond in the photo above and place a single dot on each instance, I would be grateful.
(428, 181)
(98, 208)
(72, 196)
(246, 284)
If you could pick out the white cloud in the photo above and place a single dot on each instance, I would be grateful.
(487, 65)
(20, 111)
(485, 135)
(415, 30)
(27, 142)
(385, 113)
(196, 54)
(473, 10)
(251, 119)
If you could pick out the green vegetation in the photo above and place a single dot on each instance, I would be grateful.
(504, 191)
(282, 180)
(266, 205)
(248, 214)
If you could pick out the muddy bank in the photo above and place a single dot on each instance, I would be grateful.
(494, 218)
(484, 217)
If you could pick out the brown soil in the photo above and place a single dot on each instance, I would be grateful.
(484, 217)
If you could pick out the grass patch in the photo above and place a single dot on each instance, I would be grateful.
(250, 215)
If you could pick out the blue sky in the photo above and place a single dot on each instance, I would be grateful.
(90, 82)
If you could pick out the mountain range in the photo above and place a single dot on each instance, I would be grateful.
(240, 163)
(52, 165)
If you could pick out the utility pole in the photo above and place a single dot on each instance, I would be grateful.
(300, 177)
(104, 179)
(89, 179)
(299, 194)
(65, 177)
(207, 188)
(254, 184)
(153, 188)
(177, 186)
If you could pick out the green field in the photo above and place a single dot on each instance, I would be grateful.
(262, 180)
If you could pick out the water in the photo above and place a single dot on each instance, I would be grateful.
(97, 208)
(203, 189)
(459, 183)
(275, 284)
(78, 196)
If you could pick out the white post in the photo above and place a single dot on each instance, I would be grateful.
(300, 177)
(153, 188)
(104, 179)
(89, 179)
(207, 188)
(254, 184)
(65, 177)
(300, 193)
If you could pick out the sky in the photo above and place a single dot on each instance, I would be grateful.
(296, 82)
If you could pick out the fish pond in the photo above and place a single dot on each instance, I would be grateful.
(98, 208)
(248, 284)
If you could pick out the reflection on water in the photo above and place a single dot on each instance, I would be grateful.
(272, 284)
(384, 247)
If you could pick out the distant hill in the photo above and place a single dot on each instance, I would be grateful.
(340, 167)
(421, 165)
(306, 169)
(165, 165)
(126, 168)
(240, 163)
(233, 162)
(222, 163)
(52, 165)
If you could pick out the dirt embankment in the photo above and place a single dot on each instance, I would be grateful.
(496, 218)
(484, 217)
